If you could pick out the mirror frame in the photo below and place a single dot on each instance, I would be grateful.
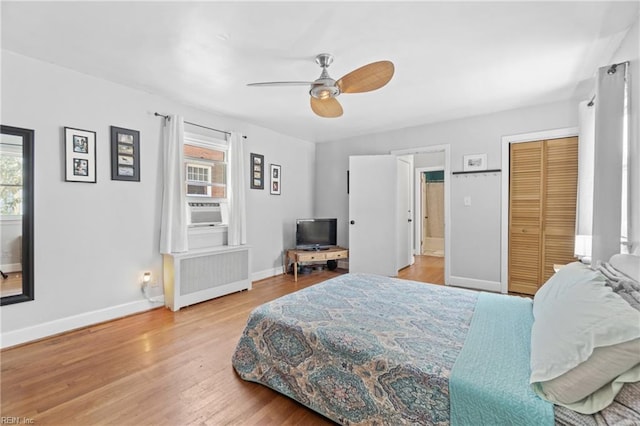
(27, 214)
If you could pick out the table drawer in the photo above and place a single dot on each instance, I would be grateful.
(311, 256)
(338, 255)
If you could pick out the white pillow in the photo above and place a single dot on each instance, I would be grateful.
(574, 314)
(628, 264)
(604, 364)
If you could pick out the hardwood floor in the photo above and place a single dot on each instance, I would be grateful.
(159, 367)
(11, 285)
(428, 269)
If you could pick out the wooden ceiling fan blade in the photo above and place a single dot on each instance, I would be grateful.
(328, 108)
(367, 78)
(281, 83)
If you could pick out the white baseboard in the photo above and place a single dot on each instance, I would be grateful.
(493, 286)
(39, 331)
(267, 273)
(10, 267)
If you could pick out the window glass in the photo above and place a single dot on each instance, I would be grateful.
(206, 168)
(10, 184)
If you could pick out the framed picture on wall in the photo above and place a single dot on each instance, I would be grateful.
(275, 173)
(474, 162)
(125, 154)
(257, 171)
(80, 155)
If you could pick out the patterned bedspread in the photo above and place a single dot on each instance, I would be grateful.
(365, 349)
(360, 349)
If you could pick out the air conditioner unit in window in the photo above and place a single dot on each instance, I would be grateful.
(207, 213)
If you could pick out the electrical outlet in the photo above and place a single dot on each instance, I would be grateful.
(467, 200)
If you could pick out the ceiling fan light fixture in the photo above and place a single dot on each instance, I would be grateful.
(321, 91)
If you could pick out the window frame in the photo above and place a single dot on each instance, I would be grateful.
(208, 142)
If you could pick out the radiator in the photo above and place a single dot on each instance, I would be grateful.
(204, 274)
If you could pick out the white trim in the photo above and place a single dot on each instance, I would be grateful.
(10, 218)
(39, 331)
(204, 141)
(504, 228)
(266, 273)
(472, 283)
(447, 198)
(418, 204)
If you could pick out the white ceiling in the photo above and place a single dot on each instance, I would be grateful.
(452, 59)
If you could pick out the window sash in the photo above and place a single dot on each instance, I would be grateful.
(210, 154)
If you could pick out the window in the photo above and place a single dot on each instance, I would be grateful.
(10, 181)
(206, 166)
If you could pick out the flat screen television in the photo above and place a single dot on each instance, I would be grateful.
(316, 234)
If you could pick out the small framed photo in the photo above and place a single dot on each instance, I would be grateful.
(80, 155)
(125, 154)
(474, 162)
(276, 175)
(257, 171)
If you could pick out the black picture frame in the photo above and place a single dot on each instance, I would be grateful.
(80, 155)
(275, 188)
(256, 171)
(125, 154)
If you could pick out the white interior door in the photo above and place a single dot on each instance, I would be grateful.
(373, 214)
(405, 214)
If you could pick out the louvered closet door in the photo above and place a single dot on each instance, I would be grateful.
(559, 208)
(525, 214)
(542, 210)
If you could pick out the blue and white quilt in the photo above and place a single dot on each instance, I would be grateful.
(365, 349)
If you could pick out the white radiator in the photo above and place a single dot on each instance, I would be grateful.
(204, 274)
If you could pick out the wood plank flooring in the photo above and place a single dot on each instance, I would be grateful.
(160, 367)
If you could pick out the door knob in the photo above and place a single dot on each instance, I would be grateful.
(353, 222)
(410, 220)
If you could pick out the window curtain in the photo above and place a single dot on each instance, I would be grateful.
(584, 205)
(610, 128)
(173, 233)
(237, 195)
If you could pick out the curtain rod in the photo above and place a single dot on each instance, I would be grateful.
(166, 117)
(612, 70)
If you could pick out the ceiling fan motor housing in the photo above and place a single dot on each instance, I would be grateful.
(324, 87)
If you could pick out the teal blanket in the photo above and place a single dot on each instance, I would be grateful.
(489, 383)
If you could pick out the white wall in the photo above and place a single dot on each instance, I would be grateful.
(475, 230)
(93, 241)
(431, 159)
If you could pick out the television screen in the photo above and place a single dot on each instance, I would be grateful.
(316, 233)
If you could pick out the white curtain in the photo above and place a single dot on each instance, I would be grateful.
(237, 197)
(607, 189)
(584, 205)
(173, 233)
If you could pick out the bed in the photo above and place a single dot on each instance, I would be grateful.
(365, 349)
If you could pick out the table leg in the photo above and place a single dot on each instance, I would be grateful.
(295, 271)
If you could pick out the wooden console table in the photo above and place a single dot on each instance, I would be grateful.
(298, 256)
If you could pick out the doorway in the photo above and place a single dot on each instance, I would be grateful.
(430, 182)
(435, 158)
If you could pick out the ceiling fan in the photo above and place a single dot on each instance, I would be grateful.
(324, 90)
